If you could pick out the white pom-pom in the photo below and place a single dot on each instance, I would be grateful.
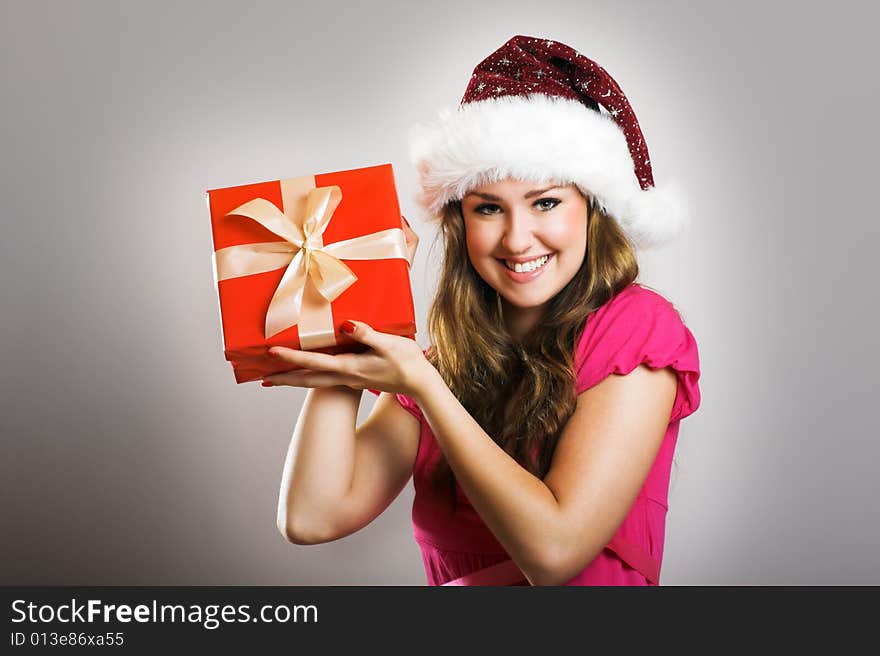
(656, 216)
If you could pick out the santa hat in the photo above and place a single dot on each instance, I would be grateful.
(532, 112)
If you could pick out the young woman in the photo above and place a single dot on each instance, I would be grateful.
(540, 425)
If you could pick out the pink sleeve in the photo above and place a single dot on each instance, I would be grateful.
(636, 327)
(408, 404)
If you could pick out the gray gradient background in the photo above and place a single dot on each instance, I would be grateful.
(130, 456)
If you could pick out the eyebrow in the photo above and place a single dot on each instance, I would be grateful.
(531, 194)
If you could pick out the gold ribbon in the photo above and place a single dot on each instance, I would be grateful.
(315, 274)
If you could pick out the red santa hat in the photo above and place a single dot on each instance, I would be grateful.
(536, 109)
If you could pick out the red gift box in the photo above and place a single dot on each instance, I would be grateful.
(294, 258)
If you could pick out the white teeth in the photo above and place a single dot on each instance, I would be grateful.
(527, 266)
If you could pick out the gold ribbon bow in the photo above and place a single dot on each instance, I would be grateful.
(315, 274)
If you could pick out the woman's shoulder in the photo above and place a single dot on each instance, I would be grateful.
(633, 305)
(636, 296)
(638, 325)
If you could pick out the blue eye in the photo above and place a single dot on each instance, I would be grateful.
(545, 208)
(543, 204)
(480, 208)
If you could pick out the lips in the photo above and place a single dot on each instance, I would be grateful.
(523, 260)
(526, 276)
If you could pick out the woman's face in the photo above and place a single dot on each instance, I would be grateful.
(513, 221)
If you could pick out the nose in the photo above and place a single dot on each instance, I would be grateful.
(518, 236)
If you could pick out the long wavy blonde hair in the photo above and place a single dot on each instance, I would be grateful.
(485, 368)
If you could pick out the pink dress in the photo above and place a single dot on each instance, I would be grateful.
(637, 326)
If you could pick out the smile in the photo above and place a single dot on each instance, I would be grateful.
(528, 270)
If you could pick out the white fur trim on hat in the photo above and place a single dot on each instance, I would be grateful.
(544, 139)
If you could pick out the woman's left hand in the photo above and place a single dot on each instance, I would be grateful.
(392, 364)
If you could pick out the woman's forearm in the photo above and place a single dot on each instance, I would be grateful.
(518, 508)
(319, 466)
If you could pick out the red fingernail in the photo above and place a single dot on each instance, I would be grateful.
(274, 354)
(266, 383)
(348, 327)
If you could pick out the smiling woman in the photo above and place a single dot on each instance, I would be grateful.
(540, 425)
(524, 236)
